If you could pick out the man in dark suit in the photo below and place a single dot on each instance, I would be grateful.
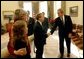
(45, 24)
(65, 29)
(30, 24)
(40, 36)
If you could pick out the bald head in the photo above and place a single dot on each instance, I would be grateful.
(60, 12)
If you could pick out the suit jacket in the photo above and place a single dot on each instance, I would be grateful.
(30, 25)
(45, 24)
(39, 34)
(63, 29)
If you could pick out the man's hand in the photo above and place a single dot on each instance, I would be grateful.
(21, 51)
(69, 35)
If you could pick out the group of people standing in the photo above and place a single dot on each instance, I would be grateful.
(24, 26)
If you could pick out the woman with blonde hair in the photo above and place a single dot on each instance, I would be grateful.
(18, 44)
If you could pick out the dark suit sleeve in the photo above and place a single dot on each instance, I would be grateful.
(47, 23)
(54, 27)
(70, 25)
(31, 26)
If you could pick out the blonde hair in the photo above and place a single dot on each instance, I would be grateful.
(19, 14)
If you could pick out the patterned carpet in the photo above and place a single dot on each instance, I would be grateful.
(78, 41)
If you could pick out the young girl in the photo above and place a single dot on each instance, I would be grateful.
(19, 40)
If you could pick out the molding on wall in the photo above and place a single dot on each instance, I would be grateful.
(63, 6)
(35, 7)
(20, 4)
(51, 9)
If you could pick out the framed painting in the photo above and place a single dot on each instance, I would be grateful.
(74, 11)
(8, 15)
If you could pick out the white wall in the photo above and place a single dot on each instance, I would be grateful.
(43, 7)
(27, 6)
(79, 19)
(8, 6)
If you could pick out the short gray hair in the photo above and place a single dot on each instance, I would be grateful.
(60, 10)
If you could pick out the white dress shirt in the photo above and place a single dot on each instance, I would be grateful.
(63, 19)
(40, 22)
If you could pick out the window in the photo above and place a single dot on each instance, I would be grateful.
(43, 7)
(57, 5)
(27, 6)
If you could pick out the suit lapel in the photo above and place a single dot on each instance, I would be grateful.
(40, 25)
(65, 18)
(60, 21)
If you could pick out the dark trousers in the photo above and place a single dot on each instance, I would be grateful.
(26, 57)
(61, 43)
(39, 51)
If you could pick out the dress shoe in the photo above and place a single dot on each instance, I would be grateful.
(68, 55)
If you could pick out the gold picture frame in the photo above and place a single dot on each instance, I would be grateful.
(74, 11)
(8, 14)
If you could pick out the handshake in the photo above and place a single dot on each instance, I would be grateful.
(48, 34)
